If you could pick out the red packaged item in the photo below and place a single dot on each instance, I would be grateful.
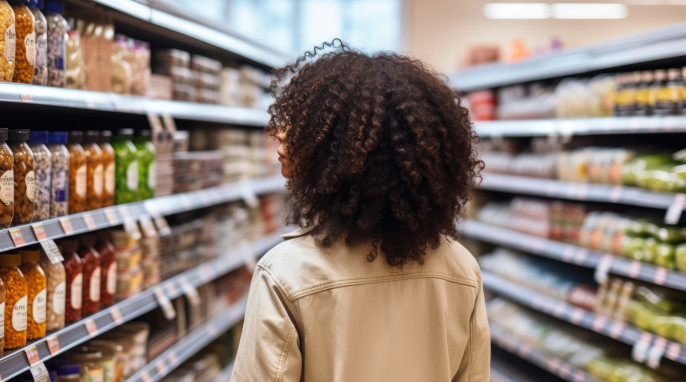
(108, 265)
(73, 268)
(91, 275)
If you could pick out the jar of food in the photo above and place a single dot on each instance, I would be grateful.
(147, 175)
(111, 363)
(67, 371)
(108, 266)
(8, 38)
(90, 260)
(60, 174)
(73, 268)
(126, 168)
(40, 68)
(25, 57)
(94, 168)
(56, 280)
(57, 39)
(6, 181)
(16, 300)
(125, 344)
(78, 173)
(42, 164)
(2, 316)
(36, 283)
(24, 177)
(89, 359)
(108, 168)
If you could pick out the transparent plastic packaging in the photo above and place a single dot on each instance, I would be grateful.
(147, 174)
(42, 160)
(108, 165)
(126, 168)
(6, 181)
(40, 69)
(57, 39)
(8, 41)
(94, 170)
(108, 266)
(74, 276)
(56, 292)
(59, 192)
(16, 300)
(78, 173)
(24, 176)
(25, 47)
(121, 68)
(36, 283)
(92, 273)
(76, 66)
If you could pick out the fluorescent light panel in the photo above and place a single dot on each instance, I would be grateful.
(538, 11)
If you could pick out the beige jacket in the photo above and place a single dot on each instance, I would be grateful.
(329, 315)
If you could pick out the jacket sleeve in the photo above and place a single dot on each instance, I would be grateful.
(476, 361)
(269, 349)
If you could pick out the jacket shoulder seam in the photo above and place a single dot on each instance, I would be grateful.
(378, 279)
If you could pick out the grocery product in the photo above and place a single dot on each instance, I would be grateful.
(140, 65)
(75, 65)
(60, 174)
(108, 168)
(24, 176)
(112, 359)
(94, 170)
(56, 292)
(42, 160)
(147, 174)
(78, 173)
(108, 266)
(127, 253)
(121, 68)
(36, 283)
(126, 167)
(2, 315)
(16, 300)
(57, 39)
(89, 360)
(67, 371)
(25, 47)
(40, 71)
(150, 259)
(6, 181)
(73, 268)
(8, 40)
(92, 274)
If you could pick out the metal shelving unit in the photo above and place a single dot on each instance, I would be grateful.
(664, 43)
(576, 255)
(117, 215)
(109, 318)
(554, 365)
(603, 193)
(191, 344)
(603, 325)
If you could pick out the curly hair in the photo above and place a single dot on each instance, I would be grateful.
(382, 150)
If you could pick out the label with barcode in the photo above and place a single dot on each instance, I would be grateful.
(52, 251)
(165, 304)
(40, 373)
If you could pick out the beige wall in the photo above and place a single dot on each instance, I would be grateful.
(440, 31)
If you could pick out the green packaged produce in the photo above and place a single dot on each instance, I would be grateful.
(671, 234)
(658, 298)
(631, 244)
(601, 367)
(642, 228)
(126, 168)
(650, 250)
(639, 164)
(661, 178)
(665, 255)
(147, 174)
(680, 257)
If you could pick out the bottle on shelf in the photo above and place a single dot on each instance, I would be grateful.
(8, 37)
(6, 181)
(40, 71)
(42, 160)
(25, 48)
(668, 100)
(644, 94)
(36, 283)
(94, 170)
(92, 275)
(126, 167)
(57, 39)
(108, 266)
(16, 300)
(89, 360)
(147, 174)
(78, 173)
(24, 176)
(59, 193)
(659, 83)
(74, 276)
(56, 280)
(108, 164)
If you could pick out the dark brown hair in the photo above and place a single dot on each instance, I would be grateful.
(382, 150)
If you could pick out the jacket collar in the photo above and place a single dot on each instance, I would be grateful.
(298, 232)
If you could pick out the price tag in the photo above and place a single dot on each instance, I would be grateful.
(568, 253)
(90, 222)
(191, 293)
(207, 272)
(169, 123)
(52, 251)
(602, 269)
(162, 225)
(581, 256)
(599, 323)
(66, 226)
(616, 329)
(248, 195)
(17, 237)
(675, 209)
(161, 368)
(115, 313)
(579, 377)
(174, 360)
(640, 350)
(53, 345)
(577, 316)
(32, 355)
(39, 231)
(634, 269)
(111, 216)
(656, 352)
(155, 122)
(616, 194)
(40, 373)
(132, 230)
(524, 351)
(565, 369)
(559, 309)
(147, 226)
(24, 93)
(673, 351)
(553, 365)
(660, 276)
(146, 377)
(212, 330)
(205, 198)
(167, 307)
(125, 213)
(91, 327)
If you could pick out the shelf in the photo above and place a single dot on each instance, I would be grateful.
(191, 344)
(588, 192)
(554, 365)
(659, 44)
(603, 325)
(581, 126)
(171, 17)
(573, 254)
(110, 102)
(166, 205)
(109, 318)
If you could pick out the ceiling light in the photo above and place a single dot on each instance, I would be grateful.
(588, 11)
(517, 11)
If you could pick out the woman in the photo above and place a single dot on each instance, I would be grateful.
(373, 286)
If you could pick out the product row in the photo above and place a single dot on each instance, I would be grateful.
(648, 168)
(659, 92)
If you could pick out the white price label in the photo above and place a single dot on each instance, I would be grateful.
(640, 350)
(675, 209)
(603, 268)
(162, 225)
(52, 251)
(40, 373)
(656, 352)
(249, 197)
(191, 293)
(167, 307)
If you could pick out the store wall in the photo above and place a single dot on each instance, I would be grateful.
(440, 31)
